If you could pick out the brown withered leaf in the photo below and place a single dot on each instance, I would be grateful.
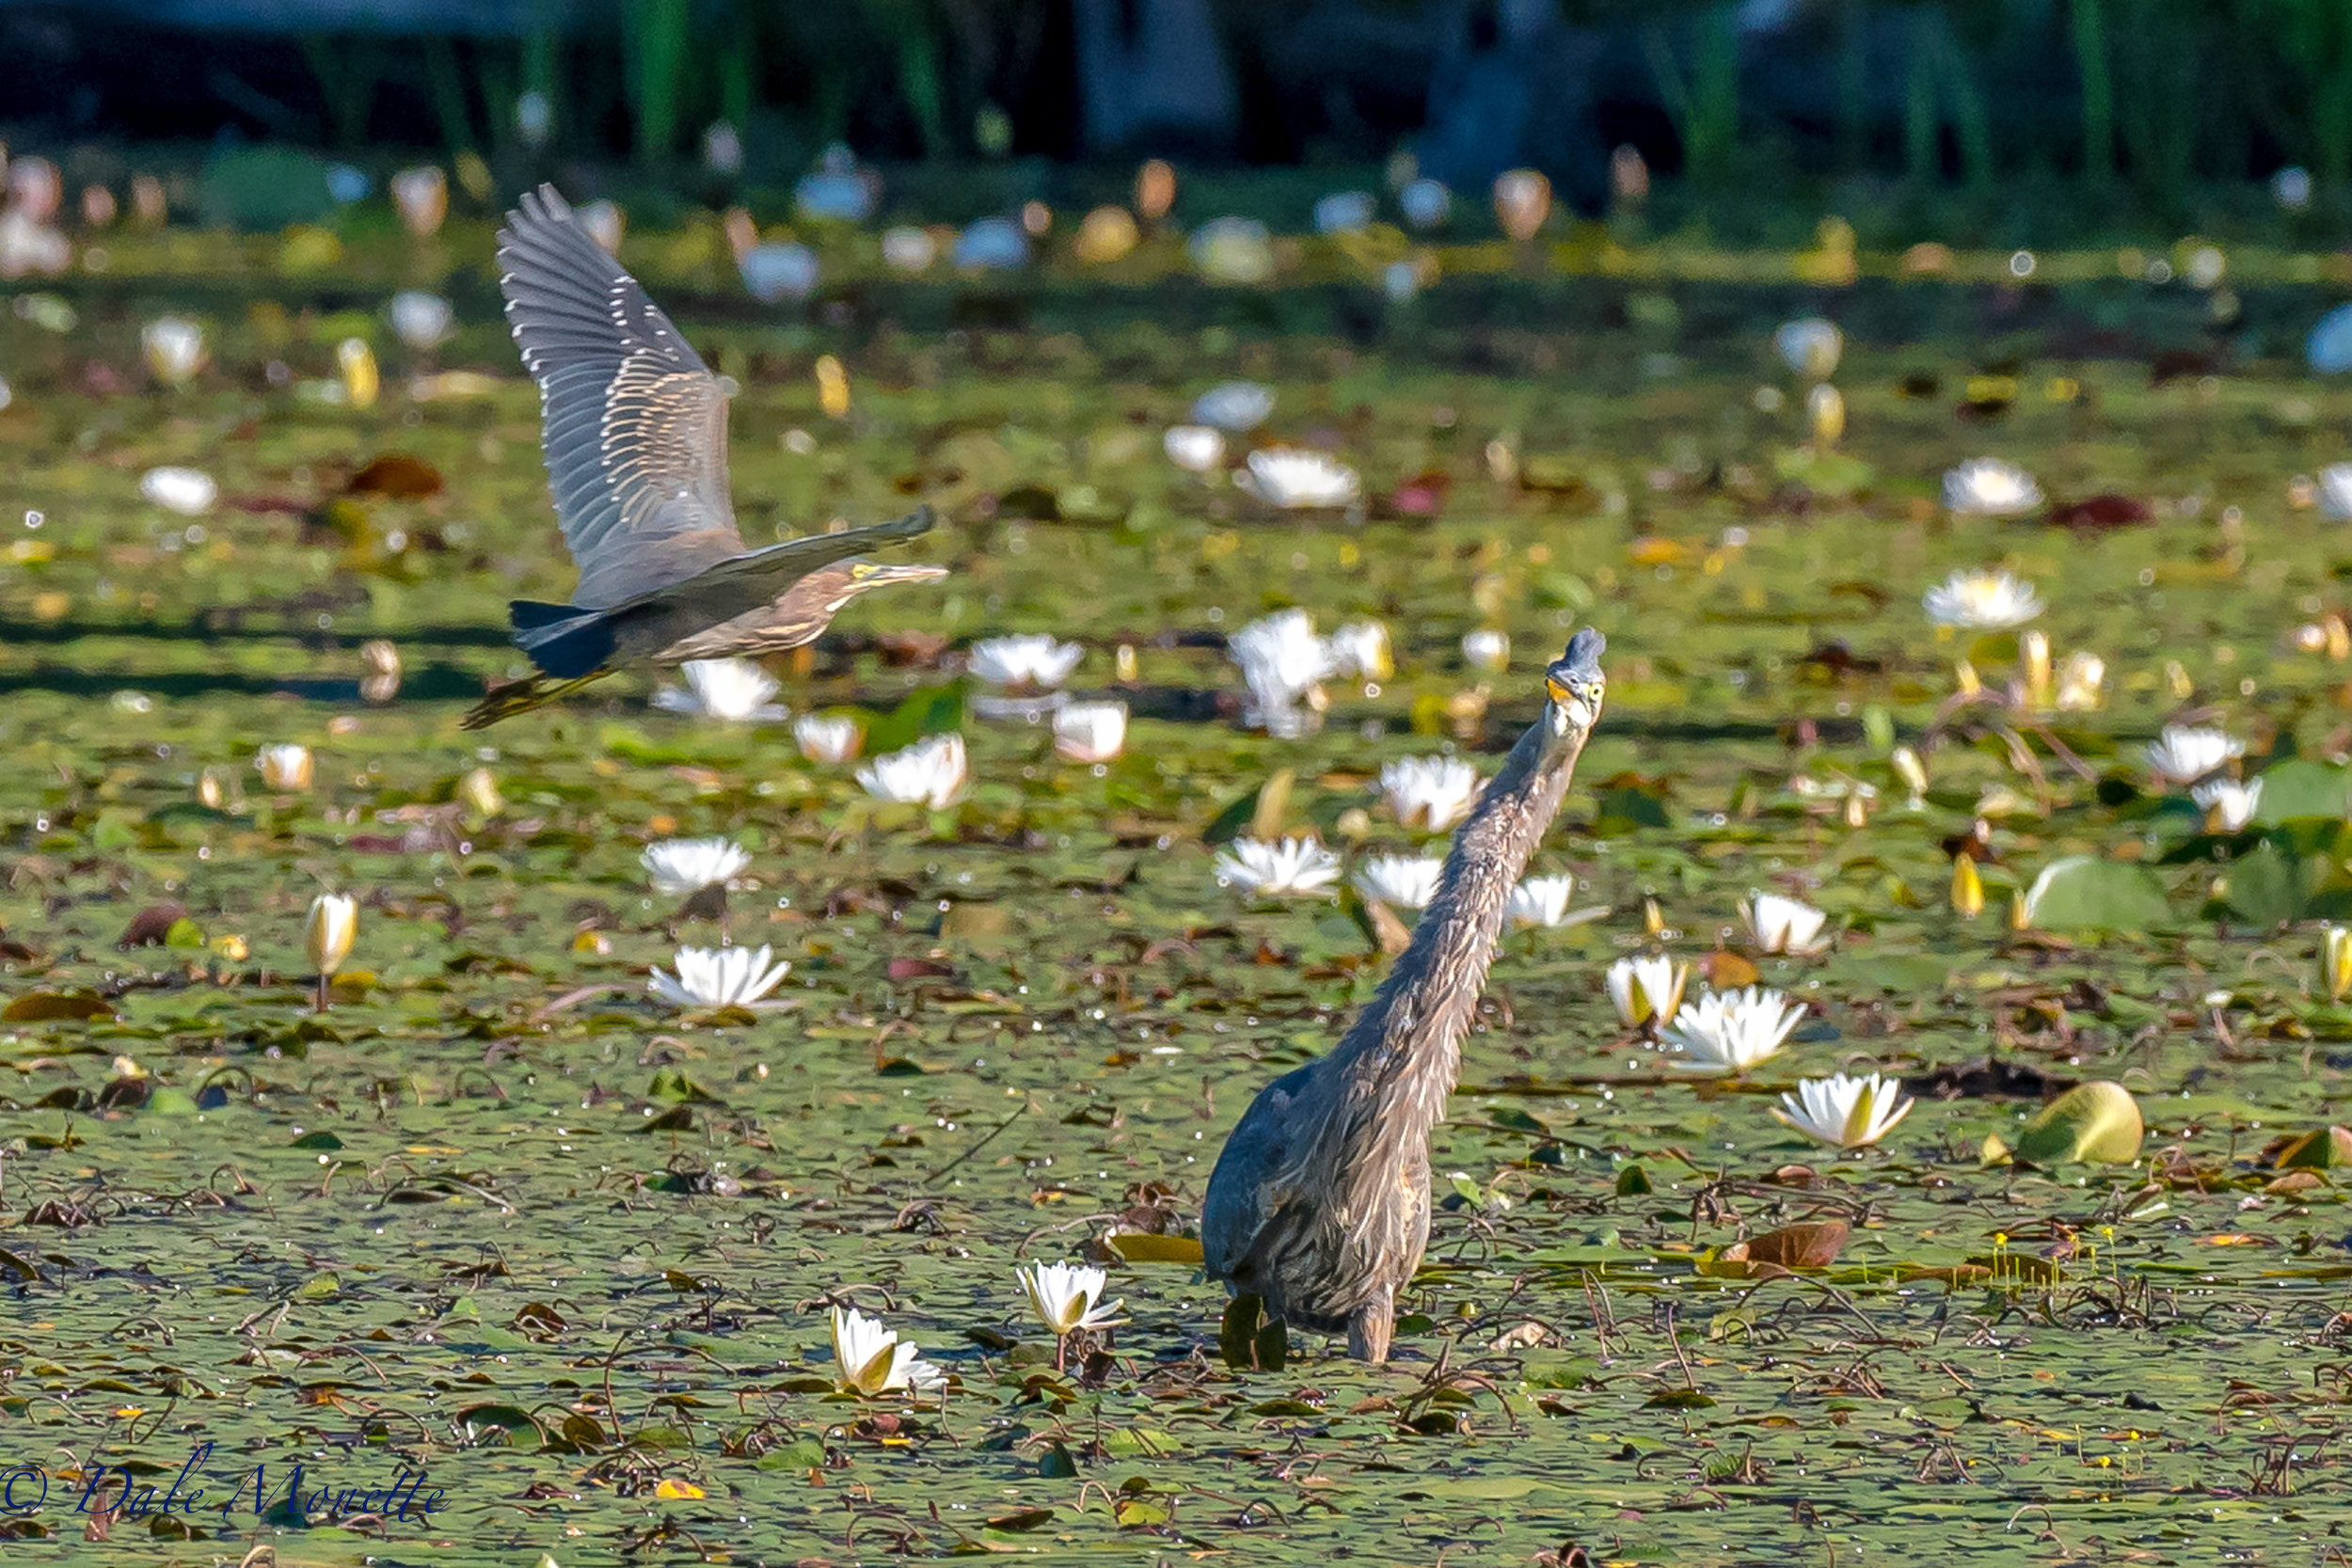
(1812, 1245)
(2100, 513)
(397, 474)
(151, 924)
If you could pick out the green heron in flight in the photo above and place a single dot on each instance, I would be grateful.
(1319, 1205)
(635, 435)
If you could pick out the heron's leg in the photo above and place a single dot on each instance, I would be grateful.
(1368, 1329)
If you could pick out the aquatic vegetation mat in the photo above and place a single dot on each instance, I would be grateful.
(502, 1217)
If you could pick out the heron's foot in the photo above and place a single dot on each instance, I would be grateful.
(1368, 1330)
(512, 697)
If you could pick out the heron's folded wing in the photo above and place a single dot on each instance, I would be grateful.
(742, 583)
(635, 425)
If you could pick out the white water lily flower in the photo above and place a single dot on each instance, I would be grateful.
(1540, 901)
(1732, 1031)
(284, 767)
(930, 772)
(990, 244)
(1343, 213)
(734, 690)
(1648, 993)
(1284, 661)
(907, 249)
(1360, 651)
(1232, 249)
(175, 348)
(1783, 924)
(838, 188)
(1845, 1113)
(1035, 660)
(1809, 346)
(1403, 881)
(1981, 601)
(1197, 448)
(1091, 732)
(421, 321)
(681, 867)
(534, 116)
(1064, 1296)
(1487, 649)
(2228, 805)
(870, 1359)
(2080, 680)
(189, 492)
(719, 978)
(605, 223)
(1297, 479)
(827, 738)
(1425, 202)
(774, 272)
(1293, 866)
(1988, 487)
(2183, 755)
(2335, 491)
(1429, 793)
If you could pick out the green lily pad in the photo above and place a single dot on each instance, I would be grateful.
(2096, 1123)
(2083, 892)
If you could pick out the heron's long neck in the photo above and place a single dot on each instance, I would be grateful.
(1412, 1031)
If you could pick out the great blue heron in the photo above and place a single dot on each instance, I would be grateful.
(635, 437)
(1319, 1205)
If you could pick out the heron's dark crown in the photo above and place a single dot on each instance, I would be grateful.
(1582, 662)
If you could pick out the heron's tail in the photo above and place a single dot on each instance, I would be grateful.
(513, 697)
(563, 640)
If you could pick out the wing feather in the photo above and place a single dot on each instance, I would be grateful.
(635, 426)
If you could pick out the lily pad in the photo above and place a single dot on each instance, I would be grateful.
(2093, 1123)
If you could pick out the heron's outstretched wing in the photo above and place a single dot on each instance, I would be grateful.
(634, 424)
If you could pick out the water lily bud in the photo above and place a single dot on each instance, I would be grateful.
(2033, 653)
(285, 768)
(1653, 919)
(175, 348)
(1857, 809)
(148, 200)
(1967, 887)
(742, 232)
(479, 790)
(1156, 190)
(422, 194)
(1522, 201)
(833, 387)
(2335, 962)
(1124, 665)
(2018, 918)
(328, 938)
(361, 379)
(1826, 408)
(208, 790)
(381, 684)
(1912, 772)
(1629, 177)
(1966, 674)
(2177, 682)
